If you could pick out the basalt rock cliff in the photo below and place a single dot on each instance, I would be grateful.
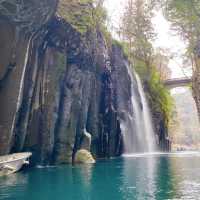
(58, 89)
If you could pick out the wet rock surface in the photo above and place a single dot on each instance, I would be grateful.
(58, 96)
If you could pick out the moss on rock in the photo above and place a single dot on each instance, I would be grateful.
(77, 13)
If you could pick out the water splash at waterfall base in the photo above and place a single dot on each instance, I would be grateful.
(138, 131)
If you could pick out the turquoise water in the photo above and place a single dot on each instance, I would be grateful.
(143, 177)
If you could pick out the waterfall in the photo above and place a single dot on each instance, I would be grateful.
(138, 131)
(21, 85)
(149, 133)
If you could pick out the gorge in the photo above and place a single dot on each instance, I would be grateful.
(92, 104)
(58, 84)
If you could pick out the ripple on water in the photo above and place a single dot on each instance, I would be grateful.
(160, 177)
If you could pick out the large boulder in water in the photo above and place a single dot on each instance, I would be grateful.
(83, 156)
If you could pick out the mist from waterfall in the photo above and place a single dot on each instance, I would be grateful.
(138, 132)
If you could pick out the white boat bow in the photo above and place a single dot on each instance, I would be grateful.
(13, 162)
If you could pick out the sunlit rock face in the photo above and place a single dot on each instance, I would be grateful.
(83, 156)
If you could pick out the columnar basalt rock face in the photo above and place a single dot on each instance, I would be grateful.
(87, 103)
(19, 21)
(58, 95)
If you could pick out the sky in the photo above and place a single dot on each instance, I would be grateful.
(166, 38)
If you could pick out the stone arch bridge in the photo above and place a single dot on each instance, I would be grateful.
(177, 82)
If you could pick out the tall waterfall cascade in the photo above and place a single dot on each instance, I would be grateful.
(138, 131)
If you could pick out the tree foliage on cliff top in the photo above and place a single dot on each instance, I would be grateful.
(83, 15)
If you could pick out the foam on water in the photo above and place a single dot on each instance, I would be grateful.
(172, 154)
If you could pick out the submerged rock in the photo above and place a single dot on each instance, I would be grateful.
(84, 156)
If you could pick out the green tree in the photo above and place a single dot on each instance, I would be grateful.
(184, 16)
(137, 31)
(161, 62)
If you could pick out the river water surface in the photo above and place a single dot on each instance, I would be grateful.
(141, 177)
